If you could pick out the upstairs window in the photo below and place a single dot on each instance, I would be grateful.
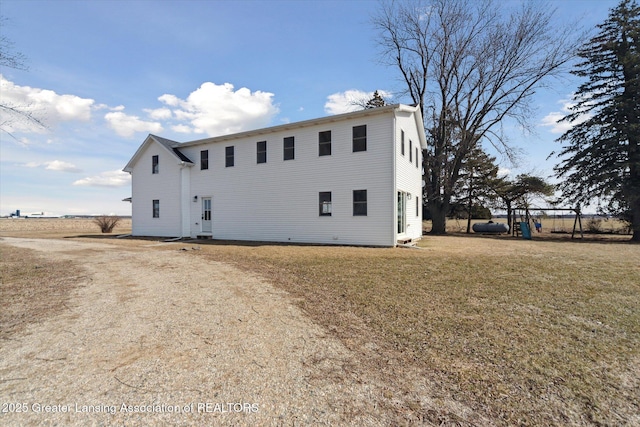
(359, 202)
(228, 158)
(156, 208)
(261, 151)
(289, 148)
(325, 203)
(155, 167)
(417, 158)
(360, 138)
(324, 143)
(204, 159)
(402, 142)
(410, 151)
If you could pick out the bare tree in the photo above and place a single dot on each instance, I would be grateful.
(469, 65)
(12, 113)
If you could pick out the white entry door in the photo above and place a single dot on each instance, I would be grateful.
(402, 212)
(206, 215)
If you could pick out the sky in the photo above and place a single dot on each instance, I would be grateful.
(103, 74)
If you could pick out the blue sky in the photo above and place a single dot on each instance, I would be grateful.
(103, 74)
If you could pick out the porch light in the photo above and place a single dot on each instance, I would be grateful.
(195, 199)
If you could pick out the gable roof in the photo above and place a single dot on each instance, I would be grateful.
(167, 144)
(322, 120)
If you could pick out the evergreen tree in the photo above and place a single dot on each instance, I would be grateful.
(477, 173)
(601, 155)
(516, 193)
(376, 101)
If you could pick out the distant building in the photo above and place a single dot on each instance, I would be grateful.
(352, 179)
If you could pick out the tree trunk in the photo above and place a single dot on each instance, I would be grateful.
(470, 207)
(438, 217)
(635, 220)
(509, 211)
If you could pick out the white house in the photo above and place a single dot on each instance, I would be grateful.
(352, 179)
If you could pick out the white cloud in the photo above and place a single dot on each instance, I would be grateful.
(45, 105)
(55, 165)
(219, 109)
(126, 125)
(350, 100)
(181, 129)
(159, 113)
(115, 178)
(551, 119)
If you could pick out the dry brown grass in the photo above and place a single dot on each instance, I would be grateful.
(536, 333)
(550, 226)
(56, 227)
(32, 288)
(519, 332)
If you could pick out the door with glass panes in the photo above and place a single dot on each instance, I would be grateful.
(206, 215)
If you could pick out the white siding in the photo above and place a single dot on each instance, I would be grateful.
(409, 173)
(163, 186)
(278, 200)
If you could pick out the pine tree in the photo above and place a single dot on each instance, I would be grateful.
(601, 155)
(376, 101)
(477, 173)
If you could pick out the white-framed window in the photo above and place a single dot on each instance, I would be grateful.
(360, 138)
(261, 152)
(204, 159)
(156, 208)
(289, 148)
(324, 143)
(155, 164)
(359, 202)
(229, 160)
(324, 199)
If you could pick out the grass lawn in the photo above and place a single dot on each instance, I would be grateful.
(519, 332)
(466, 330)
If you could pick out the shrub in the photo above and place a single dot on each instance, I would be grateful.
(594, 225)
(106, 222)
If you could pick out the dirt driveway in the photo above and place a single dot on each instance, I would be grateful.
(157, 335)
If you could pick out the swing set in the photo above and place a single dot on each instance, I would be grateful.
(522, 220)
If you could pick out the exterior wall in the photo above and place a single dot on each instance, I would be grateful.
(279, 200)
(163, 186)
(409, 173)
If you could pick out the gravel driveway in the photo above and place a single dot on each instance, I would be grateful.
(156, 335)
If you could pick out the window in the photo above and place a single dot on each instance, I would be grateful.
(154, 165)
(402, 142)
(410, 151)
(156, 208)
(359, 202)
(204, 159)
(324, 143)
(360, 138)
(228, 160)
(417, 206)
(325, 203)
(289, 148)
(261, 151)
(417, 161)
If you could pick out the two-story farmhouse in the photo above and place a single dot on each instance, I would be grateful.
(353, 179)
